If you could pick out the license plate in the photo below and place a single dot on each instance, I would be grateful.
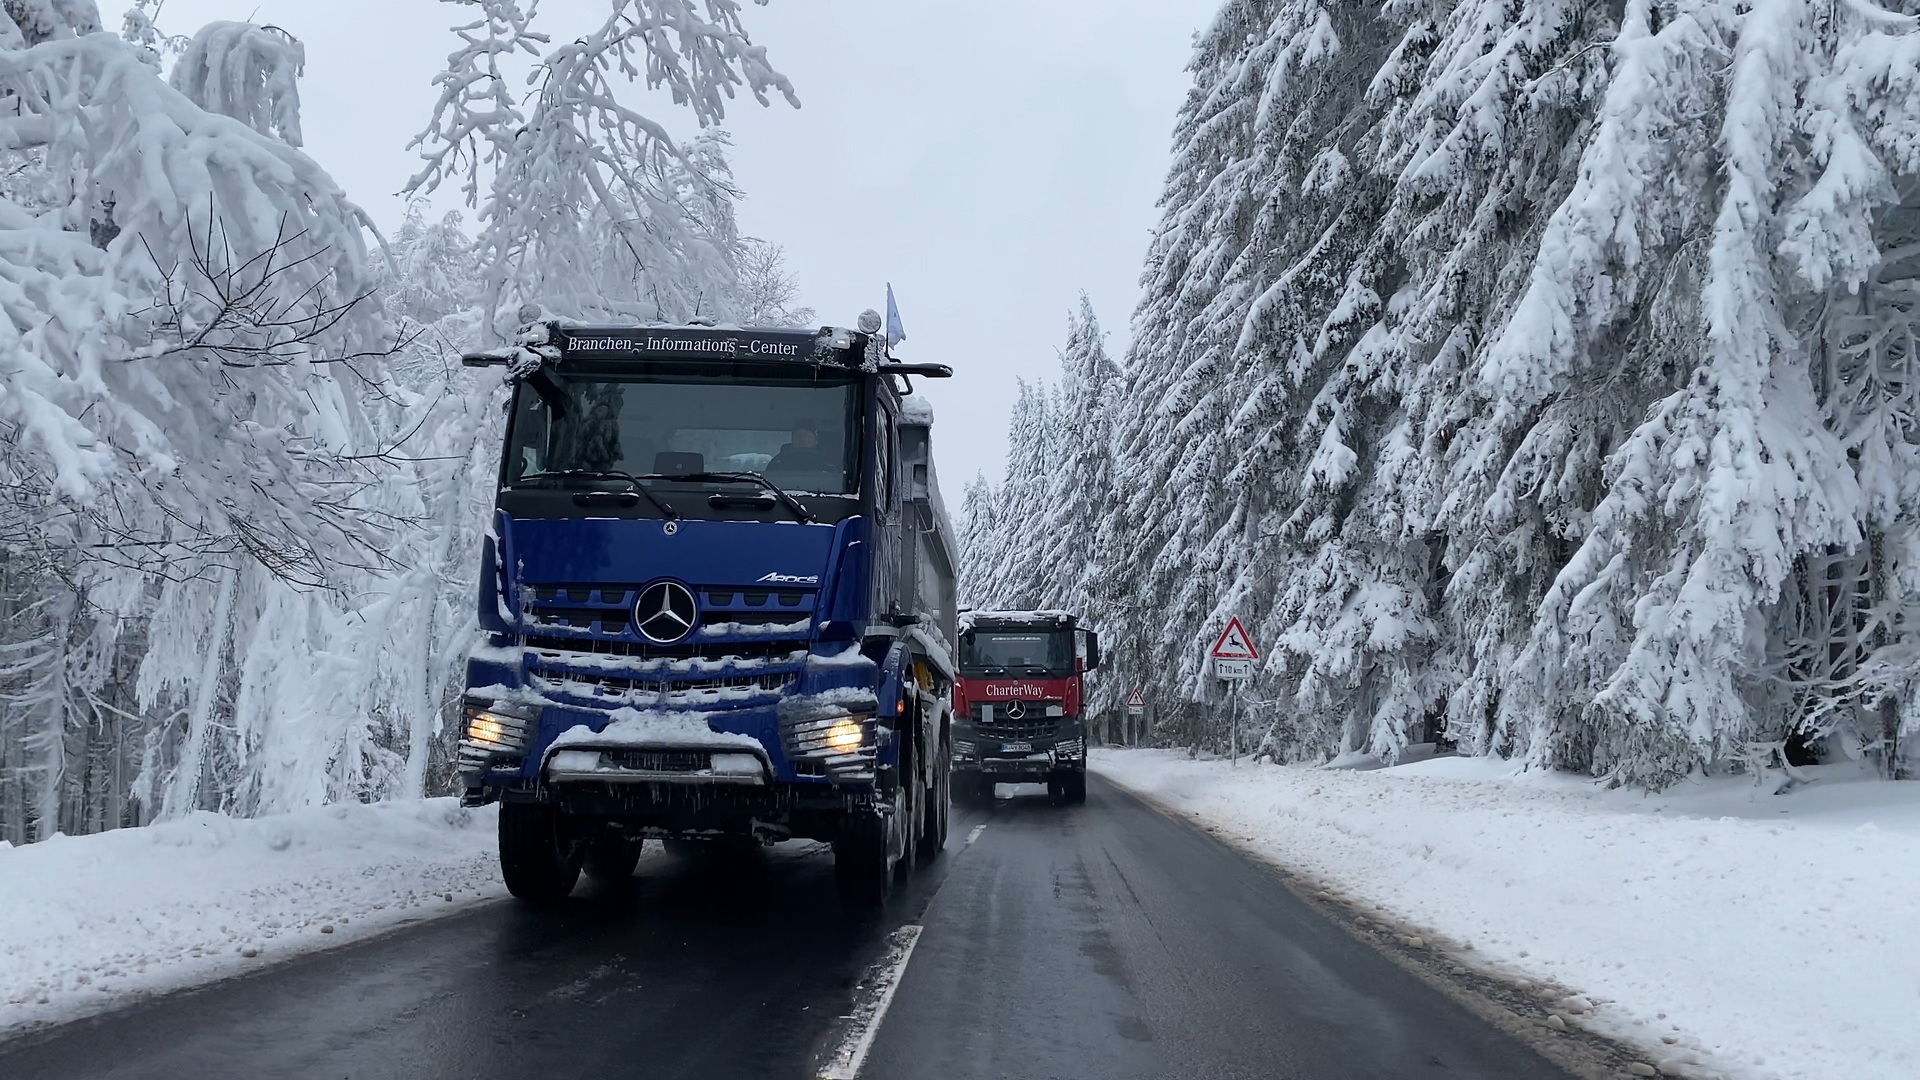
(1016, 748)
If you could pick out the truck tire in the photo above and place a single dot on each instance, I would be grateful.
(860, 861)
(939, 807)
(538, 859)
(610, 860)
(1077, 788)
(909, 817)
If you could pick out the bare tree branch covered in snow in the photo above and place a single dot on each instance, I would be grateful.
(589, 207)
(768, 294)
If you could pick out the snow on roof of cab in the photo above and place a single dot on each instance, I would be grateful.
(1042, 617)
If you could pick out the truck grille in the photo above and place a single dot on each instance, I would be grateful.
(637, 690)
(581, 643)
(1024, 731)
(779, 651)
(606, 612)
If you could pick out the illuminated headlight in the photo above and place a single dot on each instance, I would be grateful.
(848, 733)
(495, 730)
(962, 748)
(845, 735)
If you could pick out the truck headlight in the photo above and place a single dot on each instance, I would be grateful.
(845, 735)
(494, 730)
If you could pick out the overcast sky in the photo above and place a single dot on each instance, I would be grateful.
(992, 159)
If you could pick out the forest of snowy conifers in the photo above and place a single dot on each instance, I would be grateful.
(1535, 375)
(239, 528)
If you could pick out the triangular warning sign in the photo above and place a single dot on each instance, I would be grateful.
(1235, 643)
(1137, 699)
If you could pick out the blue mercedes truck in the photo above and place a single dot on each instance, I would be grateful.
(716, 602)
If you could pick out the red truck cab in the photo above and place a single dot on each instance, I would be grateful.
(1019, 703)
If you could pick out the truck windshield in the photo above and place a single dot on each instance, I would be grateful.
(1017, 652)
(800, 431)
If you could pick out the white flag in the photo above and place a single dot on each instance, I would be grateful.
(896, 333)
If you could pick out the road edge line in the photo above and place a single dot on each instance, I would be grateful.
(852, 1055)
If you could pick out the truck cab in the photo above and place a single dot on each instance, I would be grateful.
(716, 603)
(1020, 703)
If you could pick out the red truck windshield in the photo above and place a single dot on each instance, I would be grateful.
(1017, 652)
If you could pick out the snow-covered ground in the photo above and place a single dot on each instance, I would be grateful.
(1727, 930)
(86, 923)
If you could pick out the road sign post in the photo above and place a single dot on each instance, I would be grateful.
(1136, 708)
(1233, 656)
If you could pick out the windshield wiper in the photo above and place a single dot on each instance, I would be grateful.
(780, 493)
(633, 484)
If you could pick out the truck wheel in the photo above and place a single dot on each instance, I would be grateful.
(1077, 788)
(909, 816)
(939, 804)
(538, 859)
(860, 861)
(610, 859)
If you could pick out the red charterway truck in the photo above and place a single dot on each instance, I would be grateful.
(1019, 706)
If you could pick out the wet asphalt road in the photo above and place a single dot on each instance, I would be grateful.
(1102, 941)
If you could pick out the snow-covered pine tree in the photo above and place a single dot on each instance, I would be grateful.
(1168, 472)
(1740, 586)
(979, 539)
(1080, 467)
(1559, 365)
(1018, 577)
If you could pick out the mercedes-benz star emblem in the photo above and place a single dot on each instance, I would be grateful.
(1016, 709)
(665, 612)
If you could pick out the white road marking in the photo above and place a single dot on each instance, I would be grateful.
(846, 1063)
(975, 834)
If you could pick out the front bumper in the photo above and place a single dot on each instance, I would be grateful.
(1031, 760)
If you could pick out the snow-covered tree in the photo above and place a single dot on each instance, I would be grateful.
(588, 207)
(1032, 541)
(248, 72)
(1535, 375)
(979, 539)
(1080, 466)
(768, 294)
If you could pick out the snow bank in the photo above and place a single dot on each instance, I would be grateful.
(1768, 936)
(88, 922)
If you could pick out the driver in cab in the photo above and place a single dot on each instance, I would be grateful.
(803, 454)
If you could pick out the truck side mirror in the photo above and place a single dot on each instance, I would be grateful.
(1093, 650)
